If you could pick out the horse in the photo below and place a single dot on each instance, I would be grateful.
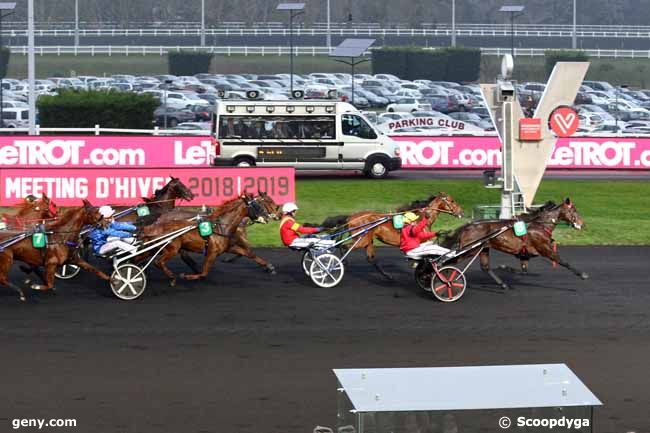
(162, 201)
(226, 218)
(386, 232)
(29, 213)
(239, 244)
(538, 241)
(63, 233)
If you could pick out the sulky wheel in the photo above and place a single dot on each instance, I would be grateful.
(67, 271)
(307, 260)
(326, 270)
(449, 284)
(423, 275)
(128, 282)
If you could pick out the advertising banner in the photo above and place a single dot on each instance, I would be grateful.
(465, 152)
(120, 186)
(105, 151)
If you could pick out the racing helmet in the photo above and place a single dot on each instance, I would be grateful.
(289, 207)
(106, 211)
(410, 217)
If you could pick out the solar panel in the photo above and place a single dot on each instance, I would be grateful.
(7, 6)
(352, 48)
(290, 6)
(511, 8)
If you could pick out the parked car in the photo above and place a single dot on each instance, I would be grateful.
(472, 118)
(202, 113)
(15, 117)
(174, 116)
(408, 105)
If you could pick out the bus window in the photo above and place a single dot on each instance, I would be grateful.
(356, 126)
(279, 127)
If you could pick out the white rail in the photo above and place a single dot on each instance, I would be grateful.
(469, 30)
(143, 50)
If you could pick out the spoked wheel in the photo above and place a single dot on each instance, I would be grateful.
(423, 275)
(307, 260)
(67, 271)
(128, 282)
(326, 270)
(449, 284)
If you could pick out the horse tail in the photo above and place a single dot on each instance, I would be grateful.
(335, 221)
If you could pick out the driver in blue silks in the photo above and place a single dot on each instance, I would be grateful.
(112, 235)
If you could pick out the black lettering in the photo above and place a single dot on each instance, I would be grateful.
(227, 186)
(206, 187)
(283, 183)
(262, 184)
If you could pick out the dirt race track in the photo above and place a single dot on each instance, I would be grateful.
(247, 352)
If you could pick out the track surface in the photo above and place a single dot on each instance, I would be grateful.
(247, 352)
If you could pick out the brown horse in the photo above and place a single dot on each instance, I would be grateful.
(537, 242)
(62, 233)
(225, 220)
(239, 244)
(387, 233)
(29, 213)
(162, 201)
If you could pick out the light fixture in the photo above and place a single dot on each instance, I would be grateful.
(250, 108)
(290, 108)
(230, 108)
(309, 108)
(270, 109)
(329, 109)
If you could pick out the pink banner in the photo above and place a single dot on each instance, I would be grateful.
(211, 186)
(105, 151)
(463, 152)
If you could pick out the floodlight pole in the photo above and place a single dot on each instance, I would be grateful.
(203, 23)
(291, 52)
(76, 23)
(31, 65)
(2, 121)
(352, 64)
(453, 23)
(329, 28)
(574, 41)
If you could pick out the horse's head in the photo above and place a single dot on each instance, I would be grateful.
(256, 210)
(177, 189)
(91, 215)
(569, 214)
(271, 207)
(42, 208)
(445, 203)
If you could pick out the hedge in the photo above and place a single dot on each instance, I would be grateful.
(188, 62)
(85, 109)
(443, 64)
(554, 56)
(4, 61)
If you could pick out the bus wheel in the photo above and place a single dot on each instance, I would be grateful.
(376, 168)
(244, 161)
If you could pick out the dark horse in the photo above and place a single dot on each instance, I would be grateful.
(537, 242)
(225, 219)
(386, 233)
(63, 234)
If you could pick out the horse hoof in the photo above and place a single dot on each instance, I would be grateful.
(505, 286)
(172, 283)
(584, 276)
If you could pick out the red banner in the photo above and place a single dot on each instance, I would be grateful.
(126, 186)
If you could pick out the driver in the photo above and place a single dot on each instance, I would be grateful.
(415, 241)
(290, 230)
(111, 235)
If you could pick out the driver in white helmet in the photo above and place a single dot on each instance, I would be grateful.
(290, 230)
(111, 235)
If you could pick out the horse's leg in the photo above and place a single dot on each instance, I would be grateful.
(90, 268)
(5, 265)
(485, 266)
(50, 270)
(548, 252)
(189, 261)
(161, 262)
(233, 258)
(241, 251)
(213, 252)
(372, 259)
(523, 263)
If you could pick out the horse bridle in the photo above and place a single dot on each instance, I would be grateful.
(255, 209)
(447, 205)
